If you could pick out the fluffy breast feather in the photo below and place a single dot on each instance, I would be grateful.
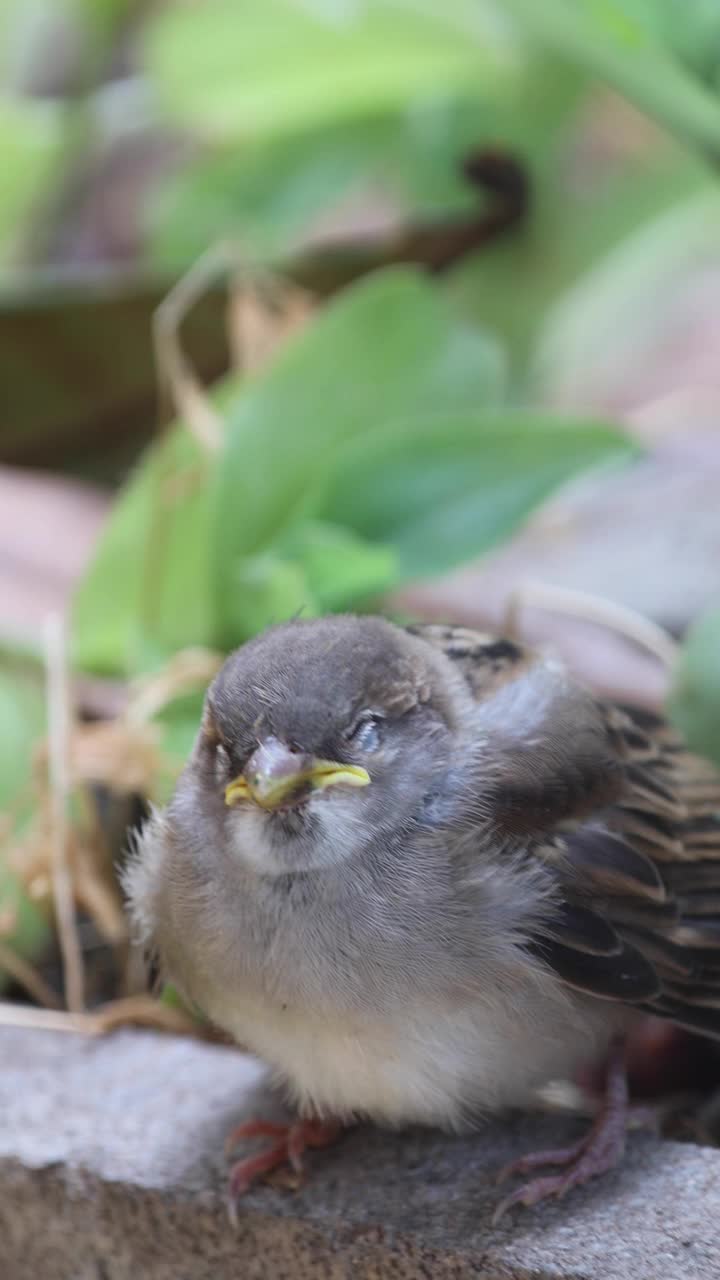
(431, 1061)
(441, 1066)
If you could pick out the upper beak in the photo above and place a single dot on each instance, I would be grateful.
(274, 774)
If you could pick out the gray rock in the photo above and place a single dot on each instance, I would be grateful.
(111, 1168)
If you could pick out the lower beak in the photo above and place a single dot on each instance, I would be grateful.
(274, 774)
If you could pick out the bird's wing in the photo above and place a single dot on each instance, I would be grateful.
(627, 822)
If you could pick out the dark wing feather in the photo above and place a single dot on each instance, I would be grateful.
(627, 823)
(653, 874)
(535, 775)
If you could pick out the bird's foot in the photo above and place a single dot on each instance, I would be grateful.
(286, 1147)
(598, 1151)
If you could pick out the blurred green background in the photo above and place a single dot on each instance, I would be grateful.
(320, 300)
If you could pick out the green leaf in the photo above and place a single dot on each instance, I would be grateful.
(406, 162)
(191, 555)
(237, 69)
(692, 29)
(265, 194)
(388, 348)
(341, 567)
(147, 590)
(572, 227)
(313, 567)
(695, 698)
(441, 490)
(267, 587)
(22, 715)
(582, 352)
(372, 450)
(624, 42)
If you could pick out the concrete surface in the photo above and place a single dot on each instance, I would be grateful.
(111, 1167)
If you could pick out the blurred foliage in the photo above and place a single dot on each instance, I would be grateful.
(403, 431)
(373, 450)
(663, 54)
(268, 68)
(298, 121)
(383, 101)
(75, 404)
(582, 348)
(291, 105)
(695, 699)
(23, 926)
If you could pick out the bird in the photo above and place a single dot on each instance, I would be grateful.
(420, 872)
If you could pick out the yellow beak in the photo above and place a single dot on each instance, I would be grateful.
(274, 774)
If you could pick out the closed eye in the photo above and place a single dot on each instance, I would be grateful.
(366, 734)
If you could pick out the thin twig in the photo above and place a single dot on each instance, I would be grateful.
(175, 373)
(605, 613)
(58, 704)
(22, 1015)
(137, 1011)
(145, 1011)
(28, 977)
(186, 671)
(180, 392)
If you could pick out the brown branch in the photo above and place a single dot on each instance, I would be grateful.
(503, 185)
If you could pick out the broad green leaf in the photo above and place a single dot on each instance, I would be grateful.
(692, 29)
(441, 490)
(341, 567)
(238, 69)
(266, 193)
(388, 348)
(405, 500)
(313, 567)
(573, 226)
(582, 353)
(188, 525)
(272, 192)
(263, 588)
(625, 42)
(372, 450)
(405, 162)
(191, 553)
(147, 590)
(22, 715)
(695, 697)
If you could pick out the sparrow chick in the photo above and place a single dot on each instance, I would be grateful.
(421, 873)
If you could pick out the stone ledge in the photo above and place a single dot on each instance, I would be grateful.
(111, 1168)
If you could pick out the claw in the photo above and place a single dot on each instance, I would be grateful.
(290, 1143)
(598, 1151)
(539, 1159)
(253, 1129)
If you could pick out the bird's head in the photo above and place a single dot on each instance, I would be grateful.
(318, 736)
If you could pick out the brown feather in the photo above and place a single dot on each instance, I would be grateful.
(627, 823)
